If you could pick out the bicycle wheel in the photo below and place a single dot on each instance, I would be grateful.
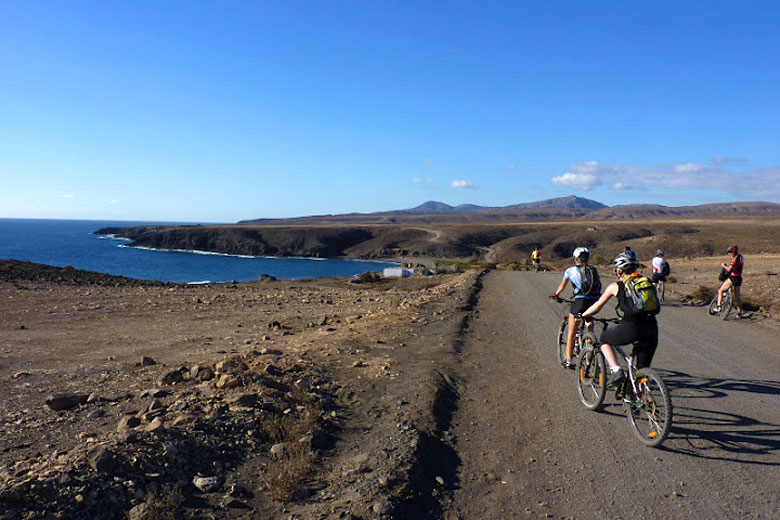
(563, 336)
(725, 306)
(712, 305)
(650, 410)
(591, 374)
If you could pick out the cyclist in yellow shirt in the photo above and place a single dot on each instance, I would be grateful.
(536, 258)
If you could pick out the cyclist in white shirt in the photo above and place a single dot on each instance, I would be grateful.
(658, 267)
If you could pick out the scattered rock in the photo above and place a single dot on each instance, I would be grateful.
(155, 425)
(65, 401)
(231, 366)
(172, 377)
(147, 361)
(127, 422)
(227, 381)
(207, 484)
(101, 460)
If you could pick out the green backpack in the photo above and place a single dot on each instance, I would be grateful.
(641, 296)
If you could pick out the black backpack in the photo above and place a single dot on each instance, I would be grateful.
(666, 269)
(591, 283)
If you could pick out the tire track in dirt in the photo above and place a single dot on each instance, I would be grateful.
(436, 460)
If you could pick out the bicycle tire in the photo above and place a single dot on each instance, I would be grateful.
(650, 412)
(591, 373)
(712, 305)
(563, 336)
(726, 304)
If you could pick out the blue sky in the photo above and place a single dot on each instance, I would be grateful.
(217, 112)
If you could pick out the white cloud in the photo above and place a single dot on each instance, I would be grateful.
(719, 159)
(68, 196)
(423, 180)
(583, 181)
(460, 183)
(730, 176)
(689, 168)
(625, 186)
(510, 167)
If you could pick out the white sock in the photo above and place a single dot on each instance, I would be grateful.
(614, 369)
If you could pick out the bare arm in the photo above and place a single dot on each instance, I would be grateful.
(561, 287)
(612, 290)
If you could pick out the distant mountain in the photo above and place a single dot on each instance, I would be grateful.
(570, 202)
(432, 206)
(561, 208)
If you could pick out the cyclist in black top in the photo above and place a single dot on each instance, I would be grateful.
(641, 328)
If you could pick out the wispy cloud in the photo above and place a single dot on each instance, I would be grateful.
(719, 159)
(68, 196)
(423, 180)
(729, 175)
(627, 187)
(510, 167)
(460, 183)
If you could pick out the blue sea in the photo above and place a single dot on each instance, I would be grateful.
(72, 242)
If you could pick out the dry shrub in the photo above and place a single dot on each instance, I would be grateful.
(704, 294)
(165, 503)
(296, 462)
(283, 477)
(671, 279)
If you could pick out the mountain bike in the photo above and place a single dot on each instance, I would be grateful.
(563, 336)
(660, 289)
(725, 304)
(647, 402)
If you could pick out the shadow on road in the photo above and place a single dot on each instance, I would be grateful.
(715, 434)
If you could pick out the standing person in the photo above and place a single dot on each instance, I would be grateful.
(587, 289)
(734, 272)
(660, 267)
(640, 327)
(536, 258)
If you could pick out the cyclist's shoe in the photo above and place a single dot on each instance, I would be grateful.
(740, 316)
(616, 378)
(568, 364)
(716, 309)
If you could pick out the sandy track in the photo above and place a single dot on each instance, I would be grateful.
(526, 448)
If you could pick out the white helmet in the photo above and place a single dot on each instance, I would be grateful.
(582, 253)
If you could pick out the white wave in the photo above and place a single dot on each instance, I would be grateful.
(204, 282)
(114, 237)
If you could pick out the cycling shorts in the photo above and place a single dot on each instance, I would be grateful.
(642, 332)
(658, 277)
(736, 280)
(580, 305)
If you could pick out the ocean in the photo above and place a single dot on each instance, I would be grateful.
(72, 242)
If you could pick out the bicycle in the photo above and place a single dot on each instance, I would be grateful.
(646, 399)
(563, 336)
(660, 289)
(725, 304)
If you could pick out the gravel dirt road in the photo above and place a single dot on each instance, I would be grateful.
(527, 448)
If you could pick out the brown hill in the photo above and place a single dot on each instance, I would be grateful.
(497, 242)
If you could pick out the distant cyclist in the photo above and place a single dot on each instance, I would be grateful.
(587, 289)
(734, 279)
(640, 327)
(536, 258)
(660, 267)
